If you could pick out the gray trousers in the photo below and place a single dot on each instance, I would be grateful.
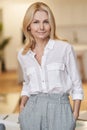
(47, 112)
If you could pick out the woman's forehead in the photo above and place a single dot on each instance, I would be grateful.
(40, 14)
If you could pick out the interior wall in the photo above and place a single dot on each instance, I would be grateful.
(12, 22)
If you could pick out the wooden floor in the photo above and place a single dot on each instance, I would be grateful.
(9, 84)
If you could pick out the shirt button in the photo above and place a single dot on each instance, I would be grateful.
(43, 81)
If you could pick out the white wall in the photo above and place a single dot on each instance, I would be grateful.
(68, 14)
(12, 21)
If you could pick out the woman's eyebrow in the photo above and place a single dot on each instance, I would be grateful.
(39, 20)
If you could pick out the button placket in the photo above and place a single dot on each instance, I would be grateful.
(43, 73)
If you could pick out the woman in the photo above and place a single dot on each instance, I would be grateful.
(50, 75)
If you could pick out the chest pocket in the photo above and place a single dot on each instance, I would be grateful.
(55, 72)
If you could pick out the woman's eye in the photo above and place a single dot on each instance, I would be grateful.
(39, 22)
(35, 22)
(46, 21)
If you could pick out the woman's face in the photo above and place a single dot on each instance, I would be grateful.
(40, 27)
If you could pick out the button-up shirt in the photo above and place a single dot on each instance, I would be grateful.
(58, 72)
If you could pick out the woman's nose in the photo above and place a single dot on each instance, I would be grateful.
(41, 26)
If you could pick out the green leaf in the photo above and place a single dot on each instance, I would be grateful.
(4, 43)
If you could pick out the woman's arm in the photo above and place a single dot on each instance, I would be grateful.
(25, 88)
(23, 102)
(76, 108)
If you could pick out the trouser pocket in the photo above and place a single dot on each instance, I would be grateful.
(73, 121)
(26, 112)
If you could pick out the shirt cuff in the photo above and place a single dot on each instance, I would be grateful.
(25, 93)
(77, 96)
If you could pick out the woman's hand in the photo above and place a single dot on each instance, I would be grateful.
(21, 107)
(76, 108)
(75, 115)
(23, 102)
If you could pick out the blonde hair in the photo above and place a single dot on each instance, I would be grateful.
(30, 41)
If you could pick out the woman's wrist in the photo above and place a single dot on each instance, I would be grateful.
(76, 108)
(21, 107)
(23, 102)
(76, 115)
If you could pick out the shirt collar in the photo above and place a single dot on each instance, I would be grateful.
(31, 53)
(49, 45)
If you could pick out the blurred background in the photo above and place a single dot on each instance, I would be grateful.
(71, 22)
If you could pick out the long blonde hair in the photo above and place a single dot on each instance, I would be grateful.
(30, 41)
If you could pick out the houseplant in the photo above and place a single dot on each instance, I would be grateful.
(3, 44)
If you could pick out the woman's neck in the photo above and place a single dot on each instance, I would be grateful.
(41, 43)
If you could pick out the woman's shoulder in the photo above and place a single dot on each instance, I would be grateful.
(63, 42)
(20, 53)
(63, 46)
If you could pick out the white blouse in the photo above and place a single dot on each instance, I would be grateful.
(58, 72)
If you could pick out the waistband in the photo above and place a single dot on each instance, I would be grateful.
(51, 97)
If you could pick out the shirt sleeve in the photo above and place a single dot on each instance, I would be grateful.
(72, 69)
(25, 88)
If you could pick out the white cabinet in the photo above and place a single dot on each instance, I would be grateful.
(81, 51)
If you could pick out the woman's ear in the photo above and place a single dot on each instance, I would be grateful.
(28, 28)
